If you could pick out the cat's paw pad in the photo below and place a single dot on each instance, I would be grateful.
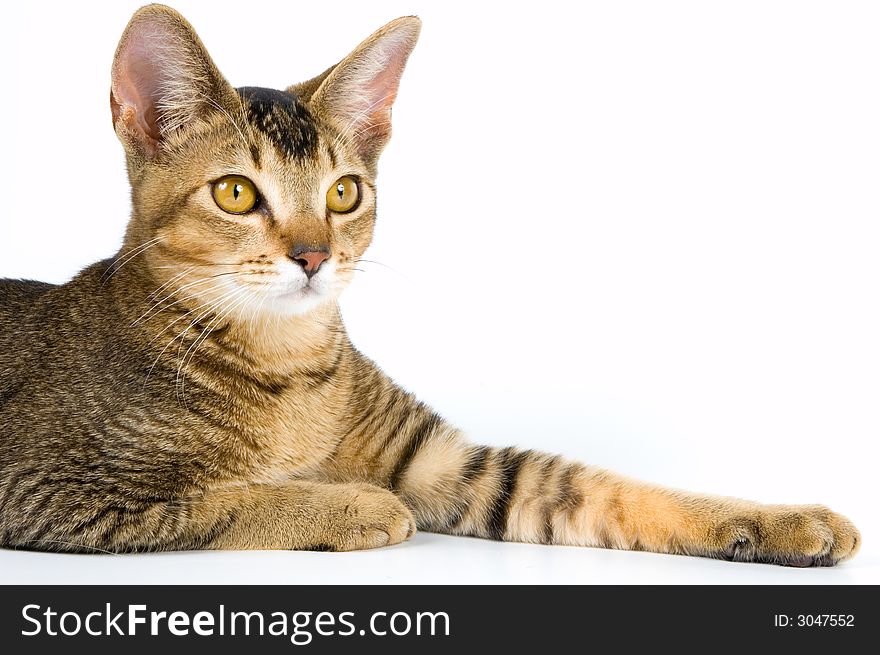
(801, 536)
(375, 518)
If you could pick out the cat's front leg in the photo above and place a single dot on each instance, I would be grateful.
(611, 511)
(504, 493)
(302, 515)
(297, 515)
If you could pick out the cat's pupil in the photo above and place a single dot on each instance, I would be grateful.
(340, 189)
(237, 189)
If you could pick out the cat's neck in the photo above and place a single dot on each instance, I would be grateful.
(270, 343)
(281, 344)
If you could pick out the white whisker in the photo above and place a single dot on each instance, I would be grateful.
(169, 283)
(122, 260)
(181, 334)
(158, 304)
(181, 369)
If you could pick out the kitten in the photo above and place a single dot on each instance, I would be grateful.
(199, 391)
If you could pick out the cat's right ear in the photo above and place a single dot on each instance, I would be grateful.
(162, 79)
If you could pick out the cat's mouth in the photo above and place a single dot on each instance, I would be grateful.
(306, 295)
(302, 293)
(295, 287)
(293, 294)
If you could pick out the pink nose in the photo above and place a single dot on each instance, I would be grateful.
(310, 259)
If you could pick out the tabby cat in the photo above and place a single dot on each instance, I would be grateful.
(199, 391)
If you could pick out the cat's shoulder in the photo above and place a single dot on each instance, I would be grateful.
(16, 290)
(17, 297)
(22, 297)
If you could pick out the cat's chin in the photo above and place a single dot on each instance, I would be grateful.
(295, 303)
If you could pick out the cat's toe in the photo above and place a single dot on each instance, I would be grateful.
(376, 518)
(797, 536)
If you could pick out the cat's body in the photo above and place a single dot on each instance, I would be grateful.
(85, 406)
(200, 391)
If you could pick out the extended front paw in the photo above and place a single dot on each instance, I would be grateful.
(790, 535)
(371, 518)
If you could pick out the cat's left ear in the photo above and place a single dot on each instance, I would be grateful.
(356, 95)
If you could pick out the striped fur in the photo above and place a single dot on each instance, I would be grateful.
(149, 404)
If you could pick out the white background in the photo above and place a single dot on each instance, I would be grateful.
(641, 234)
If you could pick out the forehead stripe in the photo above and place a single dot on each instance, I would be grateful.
(283, 119)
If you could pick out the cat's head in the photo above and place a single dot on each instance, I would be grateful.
(250, 199)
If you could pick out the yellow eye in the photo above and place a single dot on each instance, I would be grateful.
(235, 194)
(343, 196)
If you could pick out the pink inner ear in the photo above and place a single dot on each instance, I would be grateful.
(363, 100)
(382, 90)
(137, 80)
